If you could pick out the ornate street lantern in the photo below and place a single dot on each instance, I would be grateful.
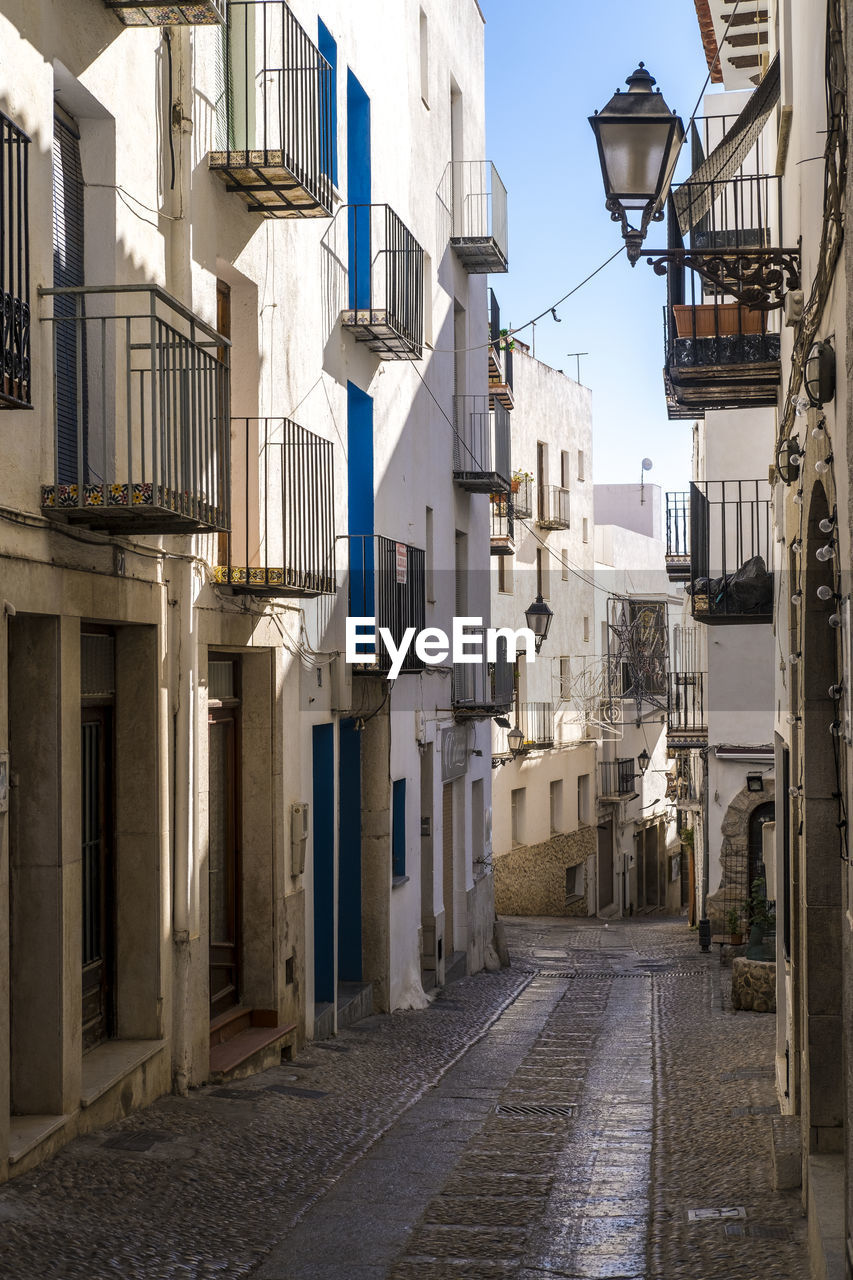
(539, 617)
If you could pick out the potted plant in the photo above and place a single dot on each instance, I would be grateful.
(517, 477)
(733, 926)
(761, 915)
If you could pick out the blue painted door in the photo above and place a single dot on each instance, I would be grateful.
(323, 800)
(349, 845)
(358, 192)
(360, 501)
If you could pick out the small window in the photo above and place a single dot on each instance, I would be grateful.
(398, 829)
(14, 266)
(517, 807)
(580, 464)
(542, 586)
(583, 799)
(430, 558)
(565, 566)
(424, 26)
(556, 806)
(586, 630)
(505, 574)
(585, 529)
(565, 679)
(478, 824)
(564, 469)
(574, 882)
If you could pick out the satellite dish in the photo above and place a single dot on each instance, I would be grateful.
(647, 464)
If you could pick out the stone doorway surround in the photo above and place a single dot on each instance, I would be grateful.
(734, 855)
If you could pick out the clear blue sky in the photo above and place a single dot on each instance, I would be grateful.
(549, 65)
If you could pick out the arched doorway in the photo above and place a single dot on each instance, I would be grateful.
(755, 844)
(819, 943)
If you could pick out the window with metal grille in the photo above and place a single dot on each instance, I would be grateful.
(398, 828)
(14, 266)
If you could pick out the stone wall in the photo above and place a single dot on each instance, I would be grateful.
(530, 880)
(734, 859)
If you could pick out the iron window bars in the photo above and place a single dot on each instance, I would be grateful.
(142, 13)
(279, 114)
(473, 211)
(141, 412)
(617, 778)
(685, 717)
(385, 273)
(481, 445)
(15, 387)
(502, 541)
(285, 541)
(500, 357)
(536, 721)
(387, 581)
(483, 689)
(730, 547)
(522, 497)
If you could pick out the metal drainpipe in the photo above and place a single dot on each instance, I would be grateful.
(185, 756)
(706, 868)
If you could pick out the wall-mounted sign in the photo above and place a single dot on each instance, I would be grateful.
(455, 745)
(402, 562)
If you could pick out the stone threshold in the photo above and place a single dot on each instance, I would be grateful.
(111, 1062)
(27, 1132)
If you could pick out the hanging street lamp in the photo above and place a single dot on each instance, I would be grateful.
(639, 139)
(539, 617)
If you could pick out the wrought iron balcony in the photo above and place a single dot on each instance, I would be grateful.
(483, 689)
(279, 135)
(141, 404)
(472, 207)
(553, 507)
(536, 721)
(387, 581)
(522, 496)
(500, 358)
(481, 445)
(684, 784)
(385, 283)
(730, 547)
(686, 720)
(723, 295)
(616, 779)
(186, 13)
(15, 390)
(283, 544)
(503, 525)
(678, 536)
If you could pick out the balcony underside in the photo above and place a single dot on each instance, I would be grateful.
(713, 618)
(480, 710)
(501, 546)
(187, 13)
(479, 255)
(137, 508)
(268, 185)
(373, 327)
(273, 582)
(738, 371)
(686, 739)
(481, 481)
(613, 797)
(501, 392)
(678, 568)
(552, 522)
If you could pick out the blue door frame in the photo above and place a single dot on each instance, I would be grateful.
(349, 846)
(323, 799)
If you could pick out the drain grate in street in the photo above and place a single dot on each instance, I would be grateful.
(771, 1110)
(293, 1091)
(736, 1231)
(715, 1215)
(536, 1109)
(138, 1141)
(748, 1073)
(332, 1048)
(235, 1095)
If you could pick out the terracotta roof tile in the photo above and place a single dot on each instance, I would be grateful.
(709, 39)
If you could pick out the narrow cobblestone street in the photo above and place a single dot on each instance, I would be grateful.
(563, 1118)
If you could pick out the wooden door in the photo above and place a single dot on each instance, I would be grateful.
(447, 860)
(223, 860)
(98, 874)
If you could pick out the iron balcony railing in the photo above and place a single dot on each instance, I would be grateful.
(616, 778)
(482, 688)
(686, 716)
(522, 496)
(142, 13)
(387, 581)
(553, 507)
(385, 274)
(278, 128)
(15, 389)
(502, 541)
(730, 547)
(142, 429)
(283, 483)
(536, 721)
(678, 536)
(722, 352)
(481, 445)
(500, 357)
(473, 210)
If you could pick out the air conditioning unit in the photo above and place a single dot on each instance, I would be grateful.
(341, 680)
(299, 816)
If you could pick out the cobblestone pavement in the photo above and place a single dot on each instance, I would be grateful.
(557, 1121)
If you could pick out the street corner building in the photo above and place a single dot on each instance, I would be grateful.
(245, 392)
